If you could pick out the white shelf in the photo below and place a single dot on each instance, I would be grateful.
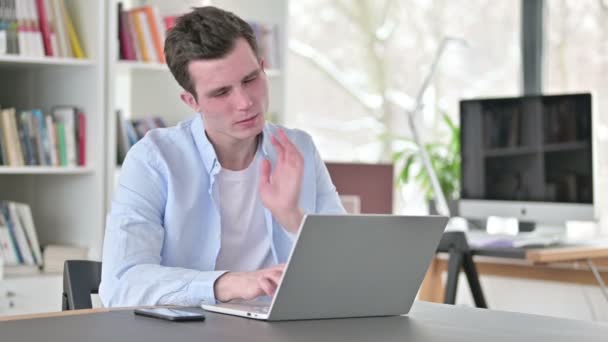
(44, 170)
(13, 60)
(136, 65)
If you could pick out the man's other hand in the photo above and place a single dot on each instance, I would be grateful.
(280, 188)
(248, 285)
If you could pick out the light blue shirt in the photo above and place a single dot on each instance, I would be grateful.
(163, 231)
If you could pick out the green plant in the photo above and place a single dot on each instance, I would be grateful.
(444, 157)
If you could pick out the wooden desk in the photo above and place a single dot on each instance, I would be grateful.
(564, 264)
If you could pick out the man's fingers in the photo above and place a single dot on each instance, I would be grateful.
(278, 146)
(277, 266)
(264, 173)
(267, 286)
(275, 276)
(289, 147)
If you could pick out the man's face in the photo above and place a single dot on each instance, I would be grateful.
(232, 94)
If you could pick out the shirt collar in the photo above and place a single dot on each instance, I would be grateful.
(207, 152)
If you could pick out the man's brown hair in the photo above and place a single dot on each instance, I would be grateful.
(205, 33)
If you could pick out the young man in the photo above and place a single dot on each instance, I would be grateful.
(208, 210)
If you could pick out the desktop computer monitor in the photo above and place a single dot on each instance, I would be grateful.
(527, 157)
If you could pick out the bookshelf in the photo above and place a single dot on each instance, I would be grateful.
(69, 204)
(141, 89)
(45, 170)
(14, 61)
(65, 201)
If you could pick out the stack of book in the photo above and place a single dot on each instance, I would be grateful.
(32, 138)
(141, 33)
(18, 239)
(130, 131)
(38, 28)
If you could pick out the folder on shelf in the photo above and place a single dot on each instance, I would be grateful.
(157, 32)
(18, 238)
(65, 48)
(51, 131)
(52, 24)
(141, 40)
(45, 27)
(44, 146)
(66, 121)
(11, 136)
(127, 51)
(35, 36)
(7, 246)
(71, 33)
(24, 213)
(30, 155)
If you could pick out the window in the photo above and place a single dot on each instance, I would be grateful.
(355, 66)
(576, 51)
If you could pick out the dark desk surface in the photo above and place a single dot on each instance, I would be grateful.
(426, 322)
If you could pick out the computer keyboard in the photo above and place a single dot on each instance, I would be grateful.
(538, 242)
(484, 240)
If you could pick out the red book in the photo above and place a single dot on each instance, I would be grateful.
(127, 51)
(45, 28)
(81, 138)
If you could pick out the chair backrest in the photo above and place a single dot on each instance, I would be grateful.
(81, 278)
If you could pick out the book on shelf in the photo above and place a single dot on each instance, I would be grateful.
(142, 31)
(38, 28)
(19, 245)
(141, 34)
(129, 132)
(32, 138)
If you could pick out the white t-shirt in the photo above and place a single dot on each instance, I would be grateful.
(245, 244)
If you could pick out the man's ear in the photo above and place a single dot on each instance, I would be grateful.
(189, 100)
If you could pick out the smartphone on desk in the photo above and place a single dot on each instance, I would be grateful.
(170, 314)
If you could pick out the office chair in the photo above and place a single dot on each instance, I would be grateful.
(80, 279)
(460, 255)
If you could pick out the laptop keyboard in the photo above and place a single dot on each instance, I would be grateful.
(259, 309)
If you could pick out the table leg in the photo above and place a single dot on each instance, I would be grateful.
(598, 277)
(432, 288)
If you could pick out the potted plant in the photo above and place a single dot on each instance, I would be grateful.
(444, 157)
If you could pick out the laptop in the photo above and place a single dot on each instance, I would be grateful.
(350, 266)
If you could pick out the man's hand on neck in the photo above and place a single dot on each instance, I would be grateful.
(280, 188)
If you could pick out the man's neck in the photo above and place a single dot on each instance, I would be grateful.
(237, 154)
